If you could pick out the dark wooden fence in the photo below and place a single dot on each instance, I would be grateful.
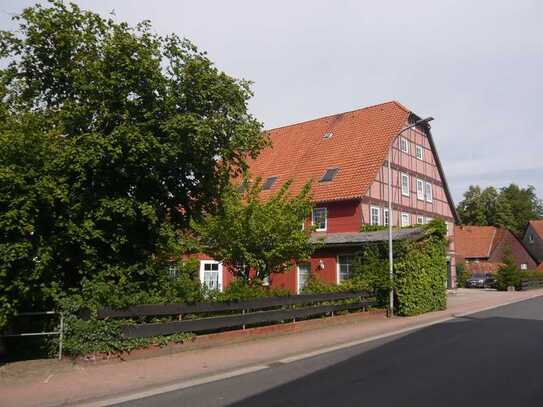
(247, 312)
(529, 284)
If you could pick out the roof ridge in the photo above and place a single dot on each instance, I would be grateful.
(395, 102)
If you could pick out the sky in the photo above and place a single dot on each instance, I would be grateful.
(472, 65)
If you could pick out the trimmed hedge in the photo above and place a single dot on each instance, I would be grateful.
(420, 271)
(421, 278)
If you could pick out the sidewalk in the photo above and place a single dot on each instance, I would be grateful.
(53, 382)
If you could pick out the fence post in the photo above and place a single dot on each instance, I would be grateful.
(3, 350)
(61, 336)
(243, 313)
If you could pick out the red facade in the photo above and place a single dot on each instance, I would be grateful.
(358, 145)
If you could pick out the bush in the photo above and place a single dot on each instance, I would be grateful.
(462, 275)
(315, 285)
(239, 290)
(508, 275)
(420, 278)
(420, 271)
(85, 336)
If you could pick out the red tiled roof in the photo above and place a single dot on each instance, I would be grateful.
(537, 225)
(358, 147)
(474, 241)
(540, 267)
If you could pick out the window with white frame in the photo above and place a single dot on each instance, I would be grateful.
(320, 219)
(419, 152)
(428, 219)
(173, 269)
(344, 267)
(385, 217)
(375, 215)
(404, 145)
(405, 220)
(428, 192)
(524, 266)
(405, 184)
(531, 238)
(304, 272)
(420, 220)
(211, 274)
(420, 189)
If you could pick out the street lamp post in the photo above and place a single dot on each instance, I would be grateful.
(390, 217)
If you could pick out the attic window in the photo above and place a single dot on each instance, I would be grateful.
(329, 175)
(328, 135)
(269, 183)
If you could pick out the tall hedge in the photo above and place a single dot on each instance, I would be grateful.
(420, 271)
(420, 274)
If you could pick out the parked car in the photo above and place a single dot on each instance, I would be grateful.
(481, 281)
(476, 281)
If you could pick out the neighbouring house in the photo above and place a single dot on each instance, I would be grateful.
(482, 248)
(346, 157)
(533, 239)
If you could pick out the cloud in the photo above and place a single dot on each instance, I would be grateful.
(474, 66)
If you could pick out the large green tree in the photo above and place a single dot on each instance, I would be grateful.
(510, 206)
(256, 237)
(111, 139)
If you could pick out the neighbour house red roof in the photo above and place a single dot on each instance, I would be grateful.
(358, 143)
(540, 268)
(489, 244)
(474, 241)
(537, 225)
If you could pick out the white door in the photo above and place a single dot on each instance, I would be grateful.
(303, 276)
(211, 274)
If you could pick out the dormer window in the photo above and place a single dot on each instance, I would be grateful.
(269, 183)
(328, 135)
(329, 175)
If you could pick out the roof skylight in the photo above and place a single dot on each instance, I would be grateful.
(329, 175)
(269, 183)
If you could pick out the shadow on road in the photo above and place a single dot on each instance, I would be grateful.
(472, 361)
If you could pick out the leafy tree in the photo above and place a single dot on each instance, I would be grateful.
(508, 275)
(525, 205)
(503, 213)
(471, 209)
(257, 237)
(511, 207)
(111, 139)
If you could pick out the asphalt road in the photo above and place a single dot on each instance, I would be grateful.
(493, 358)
